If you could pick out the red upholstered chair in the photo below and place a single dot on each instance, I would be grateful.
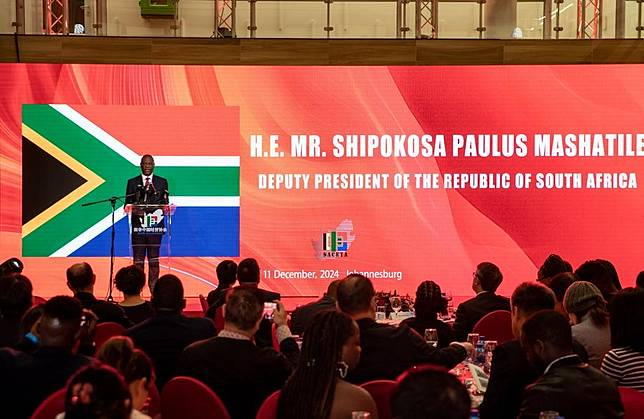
(204, 303)
(633, 402)
(106, 330)
(268, 409)
(496, 325)
(184, 397)
(381, 391)
(51, 406)
(219, 319)
(35, 300)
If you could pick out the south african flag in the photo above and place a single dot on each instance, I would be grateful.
(82, 153)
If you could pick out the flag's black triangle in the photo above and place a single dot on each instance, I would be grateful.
(45, 180)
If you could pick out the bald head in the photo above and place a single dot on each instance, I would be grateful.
(80, 277)
(355, 294)
(60, 322)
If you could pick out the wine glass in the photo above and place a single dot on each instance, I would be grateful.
(396, 304)
(431, 337)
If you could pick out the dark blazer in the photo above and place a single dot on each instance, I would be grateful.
(104, 310)
(511, 373)
(471, 311)
(164, 336)
(387, 351)
(239, 372)
(160, 185)
(575, 390)
(444, 330)
(302, 316)
(27, 380)
(139, 312)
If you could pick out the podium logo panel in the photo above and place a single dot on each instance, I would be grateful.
(83, 153)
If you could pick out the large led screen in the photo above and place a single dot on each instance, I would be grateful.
(400, 173)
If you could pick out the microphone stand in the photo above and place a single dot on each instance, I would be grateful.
(112, 200)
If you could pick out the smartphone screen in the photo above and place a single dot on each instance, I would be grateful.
(268, 310)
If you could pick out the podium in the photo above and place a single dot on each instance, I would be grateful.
(149, 223)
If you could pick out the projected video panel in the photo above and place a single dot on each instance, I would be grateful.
(401, 173)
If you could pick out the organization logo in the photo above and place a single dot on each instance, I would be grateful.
(335, 243)
(151, 219)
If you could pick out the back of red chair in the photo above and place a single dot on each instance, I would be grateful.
(496, 325)
(106, 330)
(268, 409)
(380, 391)
(51, 406)
(184, 397)
(219, 319)
(35, 300)
(204, 303)
(633, 402)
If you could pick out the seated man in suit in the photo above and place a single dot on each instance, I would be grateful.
(302, 316)
(226, 277)
(568, 386)
(387, 351)
(238, 371)
(164, 336)
(81, 280)
(485, 282)
(248, 274)
(511, 372)
(27, 380)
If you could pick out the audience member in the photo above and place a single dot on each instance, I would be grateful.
(612, 272)
(485, 282)
(226, 277)
(29, 340)
(317, 389)
(553, 265)
(568, 386)
(302, 316)
(598, 274)
(98, 392)
(430, 392)
(387, 351)
(248, 274)
(559, 284)
(511, 372)
(164, 336)
(29, 379)
(135, 367)
(81, 280)
(588, 314)
(625, 362)
(639, 281)
(239, 372)
(15, 300)
(130, 281)
(429, 303)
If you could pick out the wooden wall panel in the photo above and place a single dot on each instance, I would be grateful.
(138, 50)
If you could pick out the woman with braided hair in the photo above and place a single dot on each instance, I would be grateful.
(317, 389)
(429, 302)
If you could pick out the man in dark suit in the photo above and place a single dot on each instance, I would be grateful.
(27, 380)
(567, 386)
(248, 274)
(226, 278)
(152, 190)
(81, 280)
(164, 336)
(239, 372)
(387, 351)
(302, 316)
(485, 282)
(511, 371)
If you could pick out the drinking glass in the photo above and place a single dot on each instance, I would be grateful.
(396, 304)
(431, 337)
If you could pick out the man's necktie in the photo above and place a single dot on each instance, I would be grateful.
(147, 183)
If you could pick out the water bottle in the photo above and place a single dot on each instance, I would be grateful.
(479, 353)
